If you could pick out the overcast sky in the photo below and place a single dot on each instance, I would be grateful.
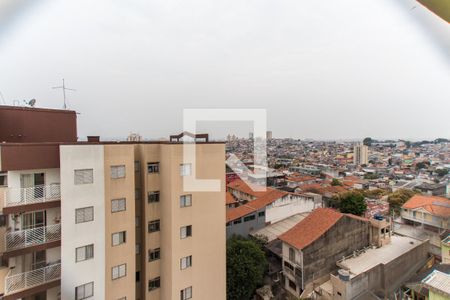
(323, 69)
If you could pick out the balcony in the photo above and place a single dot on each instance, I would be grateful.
(15, 283)
(40, 196)
(15, 240)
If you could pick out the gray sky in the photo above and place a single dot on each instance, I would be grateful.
(322, 69)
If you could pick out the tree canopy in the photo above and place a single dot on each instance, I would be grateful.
(399, 197)
(246, 266)
(350, 202)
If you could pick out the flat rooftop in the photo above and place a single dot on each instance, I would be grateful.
(383, 255)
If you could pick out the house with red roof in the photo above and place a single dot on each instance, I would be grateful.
(256, 209)
(311, 248)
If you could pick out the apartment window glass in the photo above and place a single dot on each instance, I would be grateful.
(84, 176)
(249, 218)
(118, 205)
(261, 214)
(84, 214)
(118, 172)
(84, 253)
(119, 271)
(154, 254)
(291, 254)
(137, 166)
(153, 167)
(138, 248)
(238, 221)
(185, 231)
(154, 283)
(185, 200)
(3, 179)
(186, 262)
(186, 293)
(84, 291)
(185, 169)
(153, 197)
(119, 238)
(154, 226)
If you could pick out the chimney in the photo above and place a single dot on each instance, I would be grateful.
(93, 139)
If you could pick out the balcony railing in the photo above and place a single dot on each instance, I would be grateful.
(19, 282)
(31, 237)
(31, 195)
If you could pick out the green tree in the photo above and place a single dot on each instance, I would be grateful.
(246, 266)
(336, 182)
(399, 197)
(367, 141)
(422, 165)
(351, 202)
(442, 172)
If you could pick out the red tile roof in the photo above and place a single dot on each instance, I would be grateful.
(229, 199)
(240, 185)
(437, 206)
(314, 226)
(267, 198)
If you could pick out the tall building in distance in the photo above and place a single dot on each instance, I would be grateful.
(268, 135)
(106, 220)
(360, 154)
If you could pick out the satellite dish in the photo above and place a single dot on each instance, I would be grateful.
(32, 102)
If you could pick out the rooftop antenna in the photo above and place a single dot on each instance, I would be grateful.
(31, 103)
(63, 87)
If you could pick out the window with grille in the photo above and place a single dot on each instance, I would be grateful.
(154, 226)
(153, 197)
(154, 283)
(153, 167)
(84, 253)
(186, 293)
(84, 176)
(154, 254)
(186, 262)
(185, 231)
(84, 214)
(118, 172)
(119, 238)
(185, 200)
(119, 271)
(84, 291)
(185, 169)
(118, 205)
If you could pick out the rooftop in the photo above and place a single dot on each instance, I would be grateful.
(438, 206)
(438, 282)
(273, 231)
(371, 258)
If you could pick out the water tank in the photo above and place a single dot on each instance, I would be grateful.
(344, 275)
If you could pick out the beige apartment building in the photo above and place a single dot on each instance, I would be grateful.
(107, 220)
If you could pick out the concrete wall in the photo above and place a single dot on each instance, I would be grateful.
(288, 206)
(244, 228)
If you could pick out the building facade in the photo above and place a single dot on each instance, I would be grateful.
(360, 154)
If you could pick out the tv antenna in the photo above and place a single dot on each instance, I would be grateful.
(64, 88)
(31, 102)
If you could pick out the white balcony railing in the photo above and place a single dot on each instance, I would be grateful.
(18, 282)
(31, 237)
(31, 195)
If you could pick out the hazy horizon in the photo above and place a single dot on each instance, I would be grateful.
(323, 70)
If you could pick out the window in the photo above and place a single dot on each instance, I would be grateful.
(154, 283)
(119, 271)
(3, 179)
(84, 176)
(153, 167)
(153, 197)
(261, 214)
(238, 221)
(185, 169)
(118, 172)
(138, 249)
(153, 226)
(118, 205)
(186, 293)
(137, 166)
(292, 285)
(85, 214)
(154, 254)
(249, 218)
(84, 291)
(228, 224)
(186, 262)
(185, 231)
(84, 253)
(289, 266)
(292, 254)
(185, 200)
(137, 220)
(119, 238)
(138, 276)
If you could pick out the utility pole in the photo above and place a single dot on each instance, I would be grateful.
(63, 87)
